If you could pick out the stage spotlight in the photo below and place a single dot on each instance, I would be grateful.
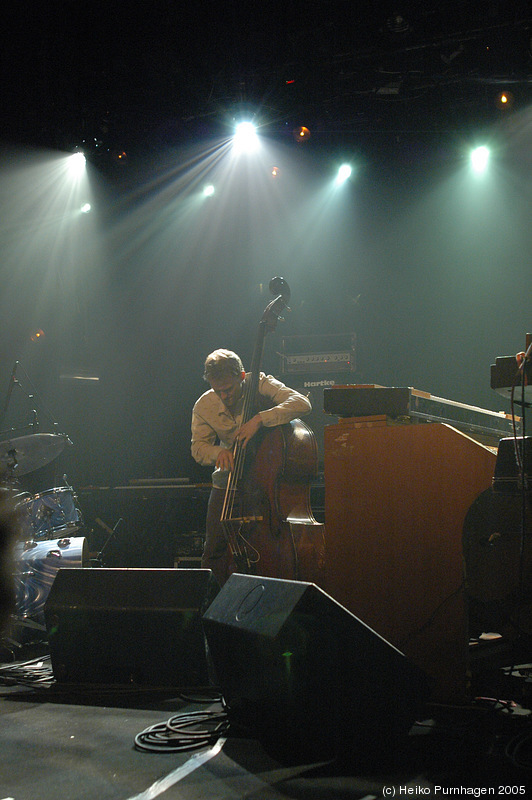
(76, 164)
(504, 101)
(208, 191)
(37, 335)
(275, 172)
(479, 158)
(344, 173)
(301, 134)
(398, 24)
(85, 208)
(245, 138)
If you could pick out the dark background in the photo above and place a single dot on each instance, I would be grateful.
(426, 263)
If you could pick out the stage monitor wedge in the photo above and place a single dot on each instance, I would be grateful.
(303, 674)
(129, 627)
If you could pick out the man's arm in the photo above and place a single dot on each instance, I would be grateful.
(203, 445)
(287, 405)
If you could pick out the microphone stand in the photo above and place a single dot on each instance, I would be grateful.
(112, 534)
(12, 383)
(31, 395)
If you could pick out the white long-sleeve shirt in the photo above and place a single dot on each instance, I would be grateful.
(214, 427)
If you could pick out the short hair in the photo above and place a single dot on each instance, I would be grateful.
(221, 363)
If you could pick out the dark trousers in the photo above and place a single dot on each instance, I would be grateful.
(216, 554)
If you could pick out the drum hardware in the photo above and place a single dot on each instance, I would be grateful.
(98, 560)
(53, 554)
(12, 383)
(26, 622)
(20, 455)
(31, 395)
(63, 542)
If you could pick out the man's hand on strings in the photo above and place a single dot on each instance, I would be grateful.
(225, 460)
(248, 430)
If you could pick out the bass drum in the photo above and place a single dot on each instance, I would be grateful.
(36, 565)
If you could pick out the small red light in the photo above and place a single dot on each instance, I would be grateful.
(301, 134)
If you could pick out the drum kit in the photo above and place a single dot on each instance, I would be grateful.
(49, 527)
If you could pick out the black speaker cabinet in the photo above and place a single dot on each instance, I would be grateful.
(312, 386)
(303, 674)
(513, 468)
(497, 551)
(128, 627)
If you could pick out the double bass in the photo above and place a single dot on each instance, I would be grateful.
(266, 516)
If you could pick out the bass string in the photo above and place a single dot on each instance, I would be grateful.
(232, 482)
(237, 472)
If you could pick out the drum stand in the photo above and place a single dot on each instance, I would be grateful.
(21, 633)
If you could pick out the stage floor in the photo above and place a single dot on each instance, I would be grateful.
(79, 743)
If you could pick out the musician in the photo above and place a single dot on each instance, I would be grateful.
(217, 425)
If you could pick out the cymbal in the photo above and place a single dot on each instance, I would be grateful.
(27, 453)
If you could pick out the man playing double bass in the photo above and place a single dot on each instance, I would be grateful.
(217, 427)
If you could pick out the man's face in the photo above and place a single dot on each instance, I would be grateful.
(228, 389)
